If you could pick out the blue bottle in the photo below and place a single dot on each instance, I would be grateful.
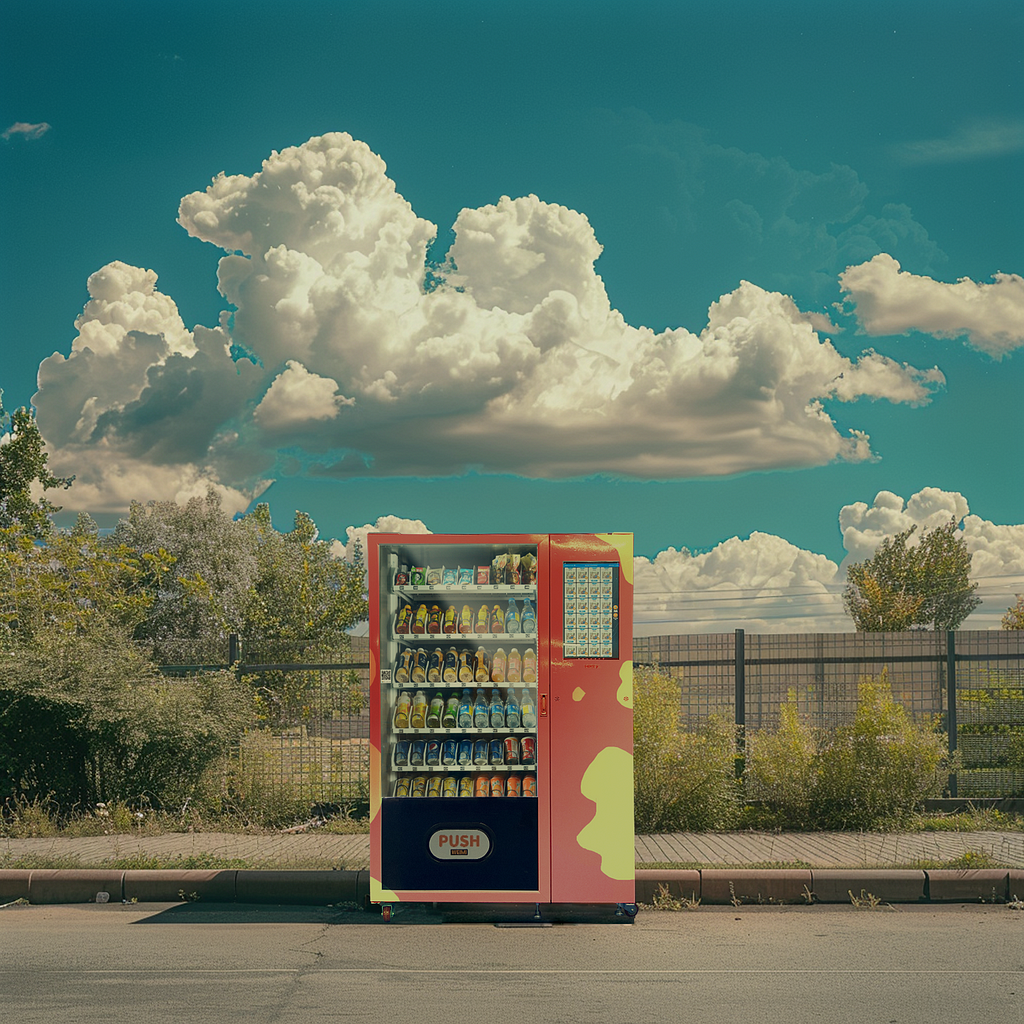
(466, 710)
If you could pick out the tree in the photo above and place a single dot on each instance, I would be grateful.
(1014, 617)
(240, 576)
(22, 465)
(902, 585)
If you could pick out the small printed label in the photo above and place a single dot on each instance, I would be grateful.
(385, 677)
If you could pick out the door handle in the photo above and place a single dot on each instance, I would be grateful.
(543, 705)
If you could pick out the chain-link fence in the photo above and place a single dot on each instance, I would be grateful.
(748, 677)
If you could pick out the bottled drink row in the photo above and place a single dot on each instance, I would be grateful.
(506, 569)
(466, 785)
(455, 666)
(448, 619)
(502, 711)
(509, 752)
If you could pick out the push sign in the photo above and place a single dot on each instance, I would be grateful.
(459, 843)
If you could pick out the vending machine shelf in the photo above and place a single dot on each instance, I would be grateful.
(479, 589)
(440, 639)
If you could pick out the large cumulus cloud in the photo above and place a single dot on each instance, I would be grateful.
(347, 344)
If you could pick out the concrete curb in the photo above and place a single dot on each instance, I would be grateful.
(710, 886)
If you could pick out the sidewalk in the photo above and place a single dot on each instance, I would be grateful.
(317, 849)
(730, 867)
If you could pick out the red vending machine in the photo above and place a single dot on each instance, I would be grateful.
(501, 737)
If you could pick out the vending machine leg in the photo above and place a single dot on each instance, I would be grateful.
(629, 909)
(385, 912)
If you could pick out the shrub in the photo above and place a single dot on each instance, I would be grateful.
(681, 780)
(877, 770)
(87, 718)
(781, 768)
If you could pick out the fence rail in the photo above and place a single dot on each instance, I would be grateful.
(314, 739)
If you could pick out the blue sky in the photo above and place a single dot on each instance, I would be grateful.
(563, 376)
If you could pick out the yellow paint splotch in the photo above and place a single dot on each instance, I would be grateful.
(624, 695)
(579, 693)
(608, 781)
(623, 543)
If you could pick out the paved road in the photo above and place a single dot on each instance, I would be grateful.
(213, 964)
(317, 849)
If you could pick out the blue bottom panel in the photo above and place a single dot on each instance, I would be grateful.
(467, 843)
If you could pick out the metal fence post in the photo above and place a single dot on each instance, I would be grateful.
(233, 649)
(951, 704)
(739, 656)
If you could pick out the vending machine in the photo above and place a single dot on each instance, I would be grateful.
(501, 737)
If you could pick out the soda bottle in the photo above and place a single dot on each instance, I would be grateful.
(435, 710)
(418, 714)
(498, 666)
(512, 709)
(466, 710)
(513, 673)
(528, 710)
(481, 712)
(402, 710)
(450, 715)
(451, 666)
(530, 665)
(529, 617)
(497, 710)
(512, 623)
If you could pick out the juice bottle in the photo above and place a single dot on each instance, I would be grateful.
(512, 623)
(482, 670)
(419, 623)
(497, 709)
(419, 667)
(483, 618)
(450, 715)
(528, 709)
(465, 667)
(451, 666)
(515, 666)
(529, 665)
(449, 623)
(403, 620)
(497, 619)
(481, 712)
(402, 710)
(434, 619)
(435, 665)
(466, 619)
(529, 617)
(435, 710)
(498, 666)
(418, 714)
(512, 709)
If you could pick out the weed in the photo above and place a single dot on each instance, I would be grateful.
(188, 897)
(866, 900)
(1016, 903)
(664, 900)
(807, 896)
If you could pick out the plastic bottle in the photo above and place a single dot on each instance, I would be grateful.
(450, 715)
(402, 710)
(498, 666)
(435, 710)
(466, 710)
(530, 665)
(497, 710)
(529, 617)
(512, 623)
(481, 712)
(514, 669)
(512, 709)
(528, 710)
(418, 714)
(497, 619)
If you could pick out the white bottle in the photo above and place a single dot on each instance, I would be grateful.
(528, 709)
(497, 710)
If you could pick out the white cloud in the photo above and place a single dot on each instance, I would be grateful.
(356, 535)
(764, 584)
(23, 130)
(977, 140)
(296, 398)
(514, 362)
(888, 300)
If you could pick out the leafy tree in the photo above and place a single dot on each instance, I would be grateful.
(71, 582)
(23, 461)
(1014, 617)
(240, 576)
(903, 585)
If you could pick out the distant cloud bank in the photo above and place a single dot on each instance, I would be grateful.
(22, 130)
